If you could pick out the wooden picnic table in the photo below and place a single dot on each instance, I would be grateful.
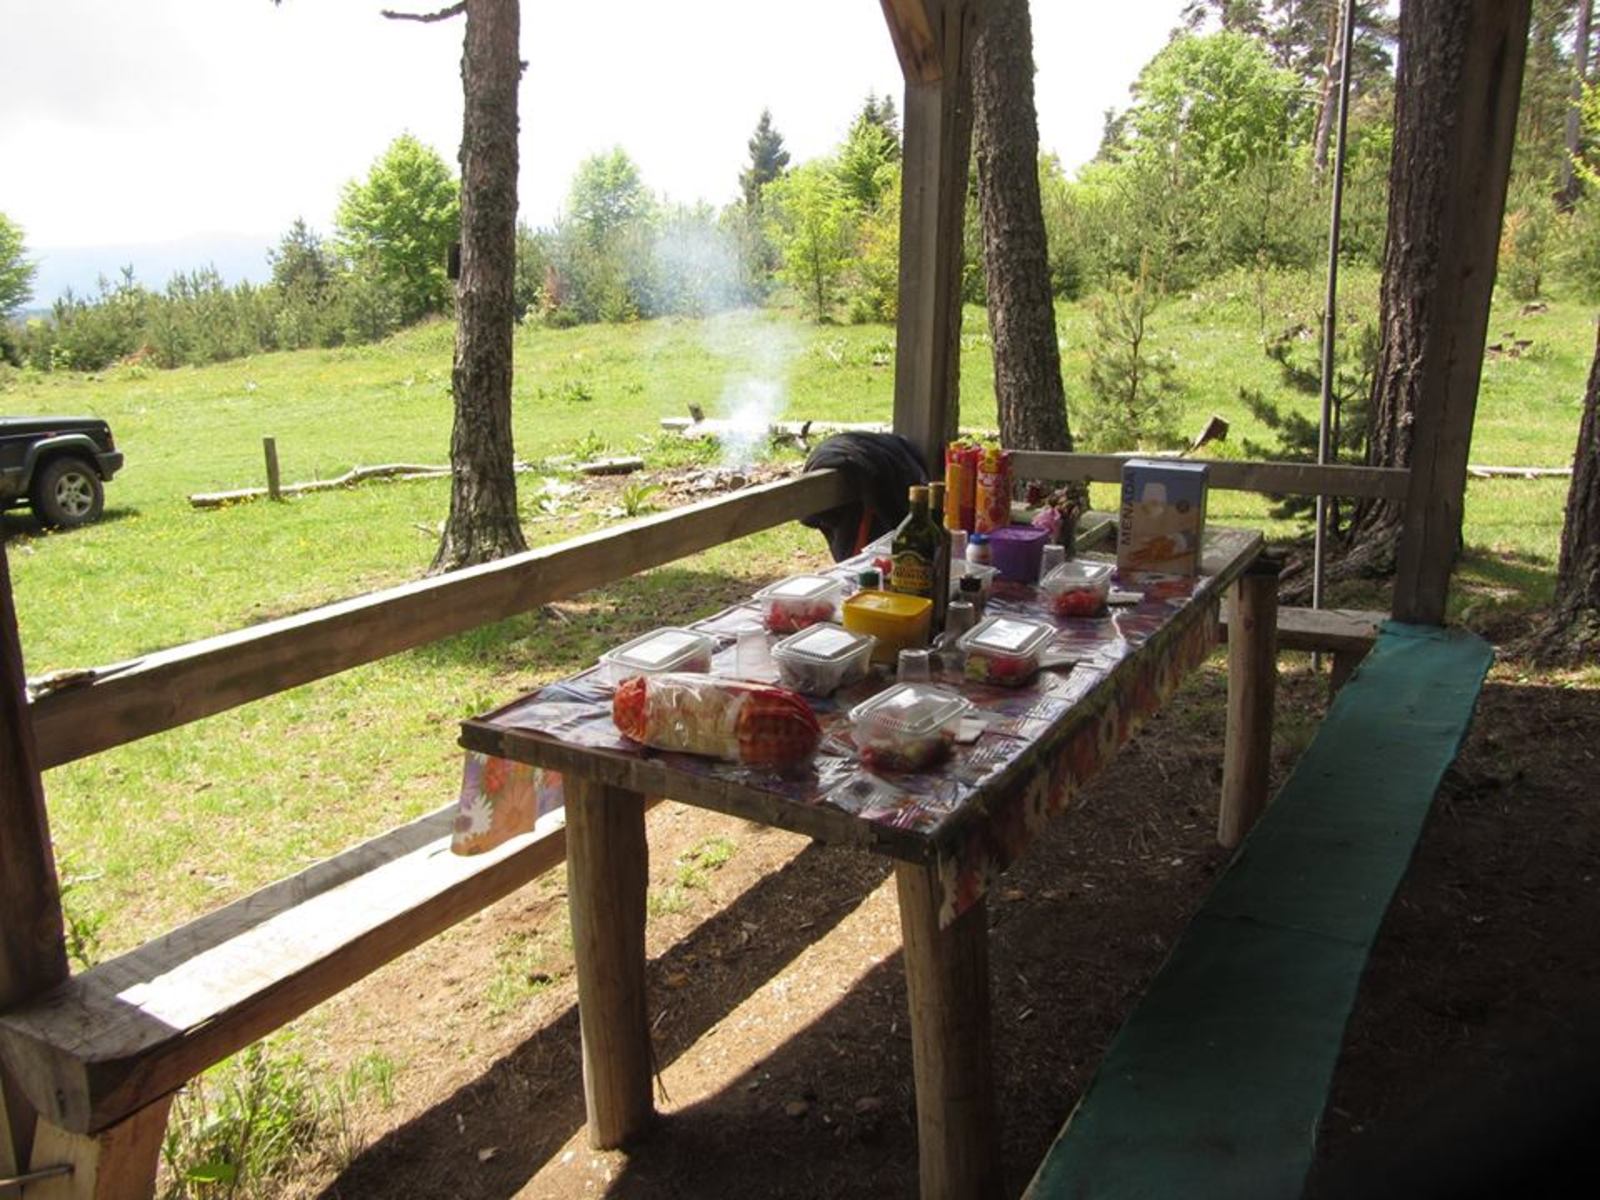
(950, 830)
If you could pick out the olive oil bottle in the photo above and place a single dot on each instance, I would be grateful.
(941, 558)
(915, 550)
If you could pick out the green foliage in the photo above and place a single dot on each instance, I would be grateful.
(1526, 242)
(396, 227)
(872, 288)
(869, 159)
(16, 272)
(1133, 391)
(1578, 246)
(813, 225)
(768, 160)
(636, 498)
(90, 334)
(607, 195)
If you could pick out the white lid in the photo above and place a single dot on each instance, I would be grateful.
(662, 650)
(822, 643)
(1075, 572)
(1015, 636)
(911, 709)
(800, 587)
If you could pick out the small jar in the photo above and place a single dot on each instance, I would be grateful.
(959, 617)
(978, 549)
(1054, 556)
(870, 580)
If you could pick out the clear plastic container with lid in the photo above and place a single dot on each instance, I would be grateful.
(823, 658)
(1078, 588)
(800, 601)
(909, 727)
(1004, 650)
(659, 651)
(959, 570)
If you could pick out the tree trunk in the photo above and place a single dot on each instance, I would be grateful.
(1439, 180)
(483, 523)
(1572, 634)
(1333, 66)
(1580, 73)
(1022, 318)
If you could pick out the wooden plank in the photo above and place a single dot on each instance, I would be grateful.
(1252, 689)
(947, 991)
(608, 866)
(117, 1037)
(33, 955)
(1341, 630)
(933, 194)
(118, 1164)
(1479, 129)
(915, 44)
(172, 687)
(1279, 479)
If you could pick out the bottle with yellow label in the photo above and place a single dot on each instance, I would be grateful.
(915, 550)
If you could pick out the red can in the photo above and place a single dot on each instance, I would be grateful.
(993, 499)
(960, 485)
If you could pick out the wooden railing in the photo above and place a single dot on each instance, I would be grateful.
(1272, 478)
(173, 687)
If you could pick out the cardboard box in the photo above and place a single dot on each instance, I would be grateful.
(1163, 517)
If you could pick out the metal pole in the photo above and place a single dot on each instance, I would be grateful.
(1330, 302)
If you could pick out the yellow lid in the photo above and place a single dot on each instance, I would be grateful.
(893, 605)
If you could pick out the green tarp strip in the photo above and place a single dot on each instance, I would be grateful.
(1215, 1085)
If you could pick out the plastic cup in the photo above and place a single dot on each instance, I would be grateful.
(753, 654)
(915, 666)
(1054, 556)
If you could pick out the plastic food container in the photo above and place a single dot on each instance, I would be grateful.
(898, 622)
(1077, 588)
(1005, 650)
(800, 601)
(823, 658)
(909, 727)
(658, 652)
(1016, 552)
(960, 568)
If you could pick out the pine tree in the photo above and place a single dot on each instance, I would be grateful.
(768, 159)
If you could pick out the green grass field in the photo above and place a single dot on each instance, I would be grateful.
(178, 823)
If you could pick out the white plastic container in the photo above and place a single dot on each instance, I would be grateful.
(799, 602)
(1004, 651)
(1078, 588)
(909, 727)
(658, 652)
(821, 659)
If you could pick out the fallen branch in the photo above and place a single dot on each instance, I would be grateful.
(1478, 472)
(392, 471)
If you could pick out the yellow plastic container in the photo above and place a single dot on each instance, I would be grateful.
(899, 622)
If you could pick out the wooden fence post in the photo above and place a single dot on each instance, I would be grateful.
(270, 447)
(1252, 690)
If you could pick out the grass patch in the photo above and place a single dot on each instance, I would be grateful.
(519, 973)
(669, 901)
(695, 866)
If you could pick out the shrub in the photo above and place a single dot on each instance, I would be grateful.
(1133, 390)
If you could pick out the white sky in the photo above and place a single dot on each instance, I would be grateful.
(142, 120)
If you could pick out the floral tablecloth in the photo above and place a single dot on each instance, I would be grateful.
(1039, 743)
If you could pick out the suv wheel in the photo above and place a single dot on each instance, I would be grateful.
(67, 492)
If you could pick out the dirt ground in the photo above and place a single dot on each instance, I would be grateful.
(778, 1002)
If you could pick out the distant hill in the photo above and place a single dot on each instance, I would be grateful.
(238, 257)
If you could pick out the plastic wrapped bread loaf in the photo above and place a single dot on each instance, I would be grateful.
(750, 723)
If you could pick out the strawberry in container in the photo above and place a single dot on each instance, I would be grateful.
(909, 727)
(1078, 588)
(799, 602)
(1005, 651)
(753, 724)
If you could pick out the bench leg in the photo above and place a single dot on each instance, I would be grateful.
(118, 1163)
(1252, 689)
(607, 870)
(1344, 664)
(947, 987)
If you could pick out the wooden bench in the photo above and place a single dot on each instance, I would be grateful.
(1346, 633)
(1215, 1085)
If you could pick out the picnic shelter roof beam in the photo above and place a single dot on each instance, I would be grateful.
(934, 41)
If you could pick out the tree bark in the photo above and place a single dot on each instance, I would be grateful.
(1334, 59)
(1022, 318)
(1438, 180)
(483, 523)
(1580, 74)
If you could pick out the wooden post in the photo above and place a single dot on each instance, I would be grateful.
(118, 1163)
(1252, 688)
(1475, 88)
(933, 39)
(33, 954)
(947, 989)
(270, 447)
(607, 870)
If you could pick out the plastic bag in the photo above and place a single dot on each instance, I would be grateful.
(750, 723)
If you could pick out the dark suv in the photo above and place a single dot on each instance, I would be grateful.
(56, 465)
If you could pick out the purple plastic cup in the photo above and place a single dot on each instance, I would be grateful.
(1017, 551)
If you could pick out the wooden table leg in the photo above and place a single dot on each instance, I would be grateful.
(607, 869)
(1252, 690)
(947, 986)
(118, 1163)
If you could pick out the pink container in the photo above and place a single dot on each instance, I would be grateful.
(1017, 551)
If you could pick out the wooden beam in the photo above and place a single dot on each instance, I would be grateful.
(33, 955)
(172, 687)
(1271, 478)
(915, 44)
(118, 1164)
(1252, 689)
(116, 1038)
(933, 196)
(1473, 100)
